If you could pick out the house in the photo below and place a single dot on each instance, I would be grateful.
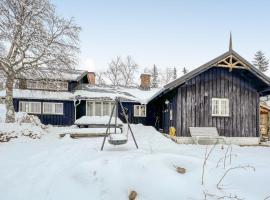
(59, 98)
(48, 95)
(94, 100)
(224, 93)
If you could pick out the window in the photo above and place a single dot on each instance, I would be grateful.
(220, 107)
(53, 108)
(50, 85)
(139, 110)
(30, 107)
(99, 108)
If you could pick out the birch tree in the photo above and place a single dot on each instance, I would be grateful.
(32, 36)
(113, 73)
(128, 69)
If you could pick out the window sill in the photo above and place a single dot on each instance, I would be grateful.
(220, 115)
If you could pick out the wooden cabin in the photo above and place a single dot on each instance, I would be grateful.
(223, 93)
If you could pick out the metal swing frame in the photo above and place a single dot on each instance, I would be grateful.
(115, 107)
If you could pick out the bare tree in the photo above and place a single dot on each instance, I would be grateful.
(100, 78)
(206, 157)
(114, 71)
(32, 35)
(167, 76)
(128, 68)
(231, 169)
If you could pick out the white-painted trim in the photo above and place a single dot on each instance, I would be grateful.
(94, 107)
(219, 107)
(140, 110)
(30, 106)
(53, 104)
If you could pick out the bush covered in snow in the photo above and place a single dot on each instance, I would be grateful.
(25, 125)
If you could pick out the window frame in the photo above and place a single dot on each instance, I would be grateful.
(30, 103)
(50, 85)
(220, 108)
(140, 110)
(53, 108)
(93, 112)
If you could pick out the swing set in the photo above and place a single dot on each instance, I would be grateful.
(117, 138)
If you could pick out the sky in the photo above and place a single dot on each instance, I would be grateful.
(168, 33)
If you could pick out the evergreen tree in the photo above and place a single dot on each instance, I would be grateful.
(260, 61)
(174, 73)
(184, 70)
(155, 77)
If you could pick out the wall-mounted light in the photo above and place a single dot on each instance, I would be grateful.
(167, 102)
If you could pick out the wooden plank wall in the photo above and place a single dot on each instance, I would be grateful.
(194, 104)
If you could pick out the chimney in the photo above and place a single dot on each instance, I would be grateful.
(91, 78)
(145, 81)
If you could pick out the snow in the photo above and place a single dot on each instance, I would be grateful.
(39, 94)
(43, 73)
(118, 137)
(97, 120)
(53, 169)
(128, 94)
(75, 130)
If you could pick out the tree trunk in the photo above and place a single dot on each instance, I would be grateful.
(10, 114)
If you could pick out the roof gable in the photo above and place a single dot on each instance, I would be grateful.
(229, 59)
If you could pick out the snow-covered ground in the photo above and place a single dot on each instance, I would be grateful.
(51, 169)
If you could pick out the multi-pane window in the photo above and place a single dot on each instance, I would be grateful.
(53, 108)
(30, 107)
(220, 107)
(139, 110)
(50, 85)
(99, 108)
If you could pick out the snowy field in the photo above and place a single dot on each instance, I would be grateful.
(52, 169)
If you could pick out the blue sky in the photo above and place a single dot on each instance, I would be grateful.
(167, 33)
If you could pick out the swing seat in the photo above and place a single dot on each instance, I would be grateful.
(117, 139)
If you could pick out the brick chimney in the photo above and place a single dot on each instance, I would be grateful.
(145, 81)
(91, 78)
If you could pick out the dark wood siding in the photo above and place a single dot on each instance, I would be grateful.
(194, 103)
(64, 120)
(130, 107)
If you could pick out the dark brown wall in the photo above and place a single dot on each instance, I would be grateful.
(194, 103)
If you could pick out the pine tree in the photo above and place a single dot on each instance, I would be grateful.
(184, 70)
(260, 61)
(155, 77)
(174, 73)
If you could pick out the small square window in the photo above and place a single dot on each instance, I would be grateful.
(220, 107)
(139, 110)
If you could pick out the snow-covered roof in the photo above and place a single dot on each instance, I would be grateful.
(39, 94)
(126, 94)
(87, 92)
(66, 75)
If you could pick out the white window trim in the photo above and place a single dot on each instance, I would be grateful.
(111, 103)
(30, 104)
(54, 111)
(219, 107)
(140, 110)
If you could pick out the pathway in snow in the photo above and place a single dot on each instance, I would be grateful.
(53, 169)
